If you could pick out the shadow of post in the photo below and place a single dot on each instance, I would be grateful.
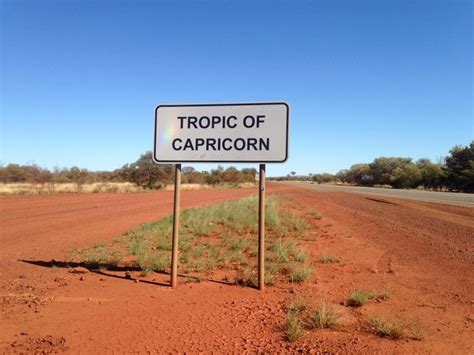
(97, 268)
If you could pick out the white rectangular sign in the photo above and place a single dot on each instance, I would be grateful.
(245, 132)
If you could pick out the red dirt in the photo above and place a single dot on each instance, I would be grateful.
(422, 252)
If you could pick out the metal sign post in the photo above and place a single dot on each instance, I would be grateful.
(261, 228)
(174, 248)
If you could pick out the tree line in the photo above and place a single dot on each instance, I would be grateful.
(144, 172)
(455, 172)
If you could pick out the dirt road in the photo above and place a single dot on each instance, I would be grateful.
(422, 252)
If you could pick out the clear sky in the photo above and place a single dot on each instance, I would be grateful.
(80, 79)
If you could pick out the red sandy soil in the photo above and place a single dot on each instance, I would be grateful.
(422, 252)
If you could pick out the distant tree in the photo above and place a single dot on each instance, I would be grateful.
(408, 176)
(360, 174)
(145, 172)
(187, 169)
(395, 171)
(341, 175)
(40, 175)
(460, 168)
(78, 176)
(15, 173)
(250, 171)
(433, 175)
(215, 176)
(3, 174)
(232, 175)
(323, 178)
(293, 173)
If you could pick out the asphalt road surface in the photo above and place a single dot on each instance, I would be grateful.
(453, 198)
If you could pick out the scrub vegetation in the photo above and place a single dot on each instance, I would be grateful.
(358, 298)
(221, 236)
(386, 329)
(302, 314)
(143, 174)
(451, 173)
(325, 258)
(324, 316)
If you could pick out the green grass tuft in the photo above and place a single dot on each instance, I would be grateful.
(325, 316)
(292, 327)
(315, 214)
(386, 329)
(299, 273)
(299, 305)
(358, 298)
(325, 258)
(416, 333)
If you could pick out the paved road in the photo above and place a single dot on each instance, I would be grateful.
(428, 196)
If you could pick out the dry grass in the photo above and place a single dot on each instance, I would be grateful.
(325, 316)
(243, 185)
(302, 314)
(50, 188)
(358, 298)
(326, 258)
(386, 329)
(97, 187)
(292, 327)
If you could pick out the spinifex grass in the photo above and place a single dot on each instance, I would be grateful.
(326, 258)
(220, 236)
(292, 327)
(386, 329)
(358, 298)
(325, 316)
(302, 314)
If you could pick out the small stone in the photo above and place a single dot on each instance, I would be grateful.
(79, 270)
(137, 281)
(82, 278)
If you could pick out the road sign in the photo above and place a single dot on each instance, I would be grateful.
(237, 133)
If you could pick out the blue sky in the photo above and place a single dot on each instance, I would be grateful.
(80, 79)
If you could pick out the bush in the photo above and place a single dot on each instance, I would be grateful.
(460, 168)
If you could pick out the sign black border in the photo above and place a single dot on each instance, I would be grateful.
(224, 161)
